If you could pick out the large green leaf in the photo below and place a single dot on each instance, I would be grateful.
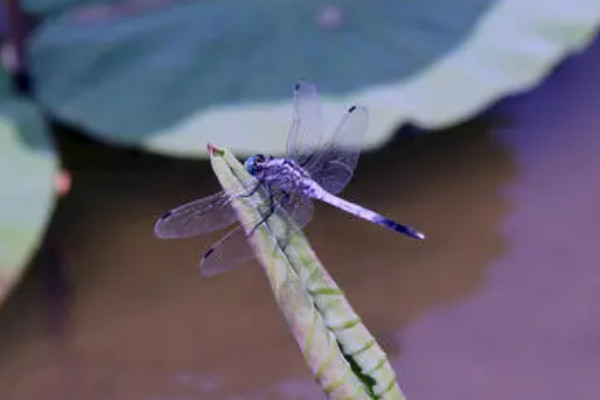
(28, 166)
(172, 77)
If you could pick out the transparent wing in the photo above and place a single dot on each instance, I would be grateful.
(333, 166)
(305, 135)
(299, 206)
(233, 249)
(204, 215)
(230, 251)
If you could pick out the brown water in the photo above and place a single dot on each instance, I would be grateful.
(499, 303)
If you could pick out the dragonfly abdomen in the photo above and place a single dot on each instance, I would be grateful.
(366, 214)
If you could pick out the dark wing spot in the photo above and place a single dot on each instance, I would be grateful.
(166, 215)
(208, 252)
(297, 87)
(351, 109)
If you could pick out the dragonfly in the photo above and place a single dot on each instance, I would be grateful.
(312, 169)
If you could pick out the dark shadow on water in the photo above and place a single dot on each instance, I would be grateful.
(531, 331)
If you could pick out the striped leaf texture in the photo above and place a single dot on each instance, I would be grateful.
(343, 356)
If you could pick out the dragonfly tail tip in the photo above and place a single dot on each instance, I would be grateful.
(415, 234)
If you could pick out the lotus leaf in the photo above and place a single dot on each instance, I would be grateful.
(28, 166)
(170, 76)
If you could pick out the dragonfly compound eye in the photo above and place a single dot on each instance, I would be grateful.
(250, 165)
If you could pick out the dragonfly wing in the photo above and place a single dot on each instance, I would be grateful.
(233, 249)
(230, 251)
(333, 166)
(299, 206)
(305, 135)
(204, 215)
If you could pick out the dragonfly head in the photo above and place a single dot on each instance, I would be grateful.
(253, 163)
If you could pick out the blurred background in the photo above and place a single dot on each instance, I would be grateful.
(484, 134)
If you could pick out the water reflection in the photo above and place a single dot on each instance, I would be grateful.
(532, 331)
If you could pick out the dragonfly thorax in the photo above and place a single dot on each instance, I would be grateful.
(285, 174)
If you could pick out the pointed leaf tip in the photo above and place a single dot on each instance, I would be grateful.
(214, 151)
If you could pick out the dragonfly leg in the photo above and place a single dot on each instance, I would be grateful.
(251, 192)
(269, 213)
